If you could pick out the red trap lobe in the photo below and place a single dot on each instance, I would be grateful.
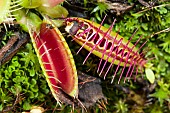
(107, 45)
(56, 60)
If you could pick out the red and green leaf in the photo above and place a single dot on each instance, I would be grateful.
(55, 59)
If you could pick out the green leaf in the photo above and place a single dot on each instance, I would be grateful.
(26, 105)
(136, 15)
(162, 10)
(1, 107)
(97, 16)
(18, 87)
(41, 96)
(150, 75)
(32, 72)
(145, 26)
(101, 7)
(1, 80)
(162, 93)
(156, 109)
(46, 91)
(31, 94)
(33, 82)
(18, 79)
(95, 9)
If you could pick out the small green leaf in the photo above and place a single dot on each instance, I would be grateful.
(136, 15)
(18, 79)
(16, 89)
(1, 107)
(162, 10)
(26, 105)
(101, 7)
(46, 91)
(1, 80)
(150, 75)
(34, 88)
(26, 84)
(95, 9)
(33, 82)
(97, 16)
(32, 72)
(162, 93)
(31, 94)
(144, 26)
(41, 96)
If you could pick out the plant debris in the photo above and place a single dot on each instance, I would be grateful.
(90, 92)
(117, 7)
(13, 45)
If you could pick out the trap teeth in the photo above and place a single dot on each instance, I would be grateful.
(4, 6)
(7, 7)
(106, 44)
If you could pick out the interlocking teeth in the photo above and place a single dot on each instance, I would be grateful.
(107, 45)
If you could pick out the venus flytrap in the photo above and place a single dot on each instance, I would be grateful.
(109, 46)
(53, 54)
